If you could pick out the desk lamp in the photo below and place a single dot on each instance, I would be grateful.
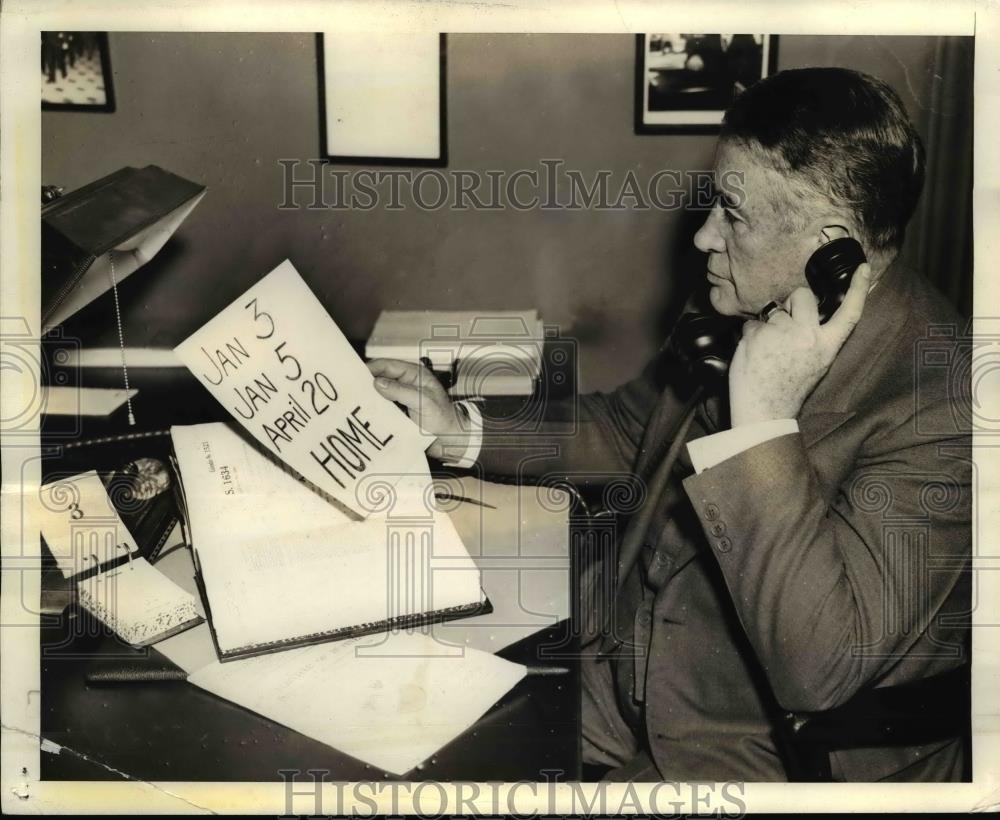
(96, 236)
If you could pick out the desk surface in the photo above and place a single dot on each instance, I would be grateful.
(175, 731)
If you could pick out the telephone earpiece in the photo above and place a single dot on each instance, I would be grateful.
(829, 272)
(705, 342)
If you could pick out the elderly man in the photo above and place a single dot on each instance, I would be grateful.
(812, 543)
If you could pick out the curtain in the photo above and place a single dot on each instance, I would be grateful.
(939, 238)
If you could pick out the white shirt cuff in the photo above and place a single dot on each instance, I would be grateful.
(710, 450)
(471, 453)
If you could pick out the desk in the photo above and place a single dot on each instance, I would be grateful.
(175, 731)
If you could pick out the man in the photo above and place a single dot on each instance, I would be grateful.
(813, 542)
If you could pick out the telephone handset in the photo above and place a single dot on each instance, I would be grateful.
(705, 343)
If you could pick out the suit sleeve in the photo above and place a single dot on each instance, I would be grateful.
(589, 438)
(832, 594)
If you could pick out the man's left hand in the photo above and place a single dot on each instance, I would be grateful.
(778, 362)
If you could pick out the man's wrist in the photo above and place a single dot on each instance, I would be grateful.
(746, 412)
(710, 450)
(463, 450)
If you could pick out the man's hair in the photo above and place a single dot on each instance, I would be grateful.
(845, 135)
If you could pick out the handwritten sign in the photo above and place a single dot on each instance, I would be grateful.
(275, 359)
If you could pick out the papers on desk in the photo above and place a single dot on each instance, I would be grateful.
(521, 549)
(281, 566)
(494, 353)
(391, 700)
(81, 526)
(84, 401)
(193, 648)
(520, 542)
(276, 360)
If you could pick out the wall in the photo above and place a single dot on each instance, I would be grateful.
(221, 109)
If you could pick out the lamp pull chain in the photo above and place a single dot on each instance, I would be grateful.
(121, 338)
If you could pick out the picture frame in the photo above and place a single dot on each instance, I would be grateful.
(383, 98)
(76, 72)
(685, 82)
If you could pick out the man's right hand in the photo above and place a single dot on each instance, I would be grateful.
(426, 402)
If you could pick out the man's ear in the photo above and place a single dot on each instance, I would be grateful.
(831, 231)
(826, 225)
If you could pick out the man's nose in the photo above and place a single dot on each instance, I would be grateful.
(709, 238)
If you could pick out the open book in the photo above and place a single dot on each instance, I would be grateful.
(280, 566)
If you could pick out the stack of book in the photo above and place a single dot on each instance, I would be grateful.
(489, 353)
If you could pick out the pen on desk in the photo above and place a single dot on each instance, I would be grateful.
(540, 671)
(449, 497)
(133, 674)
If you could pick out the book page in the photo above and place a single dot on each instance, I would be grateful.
(80, 525)
(277, 362)
(260, 535)
(138, 602)
(393, 709)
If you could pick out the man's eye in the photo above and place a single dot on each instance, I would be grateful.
(722, 203)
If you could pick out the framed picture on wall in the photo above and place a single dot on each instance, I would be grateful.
(382, 98)
(684, 82)
(76, 71)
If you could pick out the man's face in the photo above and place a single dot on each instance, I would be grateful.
(753, 257)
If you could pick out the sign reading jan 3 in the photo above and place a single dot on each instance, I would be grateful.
(275, 359)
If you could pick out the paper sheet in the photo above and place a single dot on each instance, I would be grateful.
(80, 524)
(84, 401)
(276, 360)
(193, 648)
(522, 551)
(393, 709)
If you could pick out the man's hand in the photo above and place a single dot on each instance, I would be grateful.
(426, 402)
(778, 362)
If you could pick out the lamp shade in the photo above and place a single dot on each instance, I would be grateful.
(129, 214)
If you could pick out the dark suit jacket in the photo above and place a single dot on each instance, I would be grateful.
(804, 569)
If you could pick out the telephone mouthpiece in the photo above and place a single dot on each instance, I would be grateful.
(705, 343)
